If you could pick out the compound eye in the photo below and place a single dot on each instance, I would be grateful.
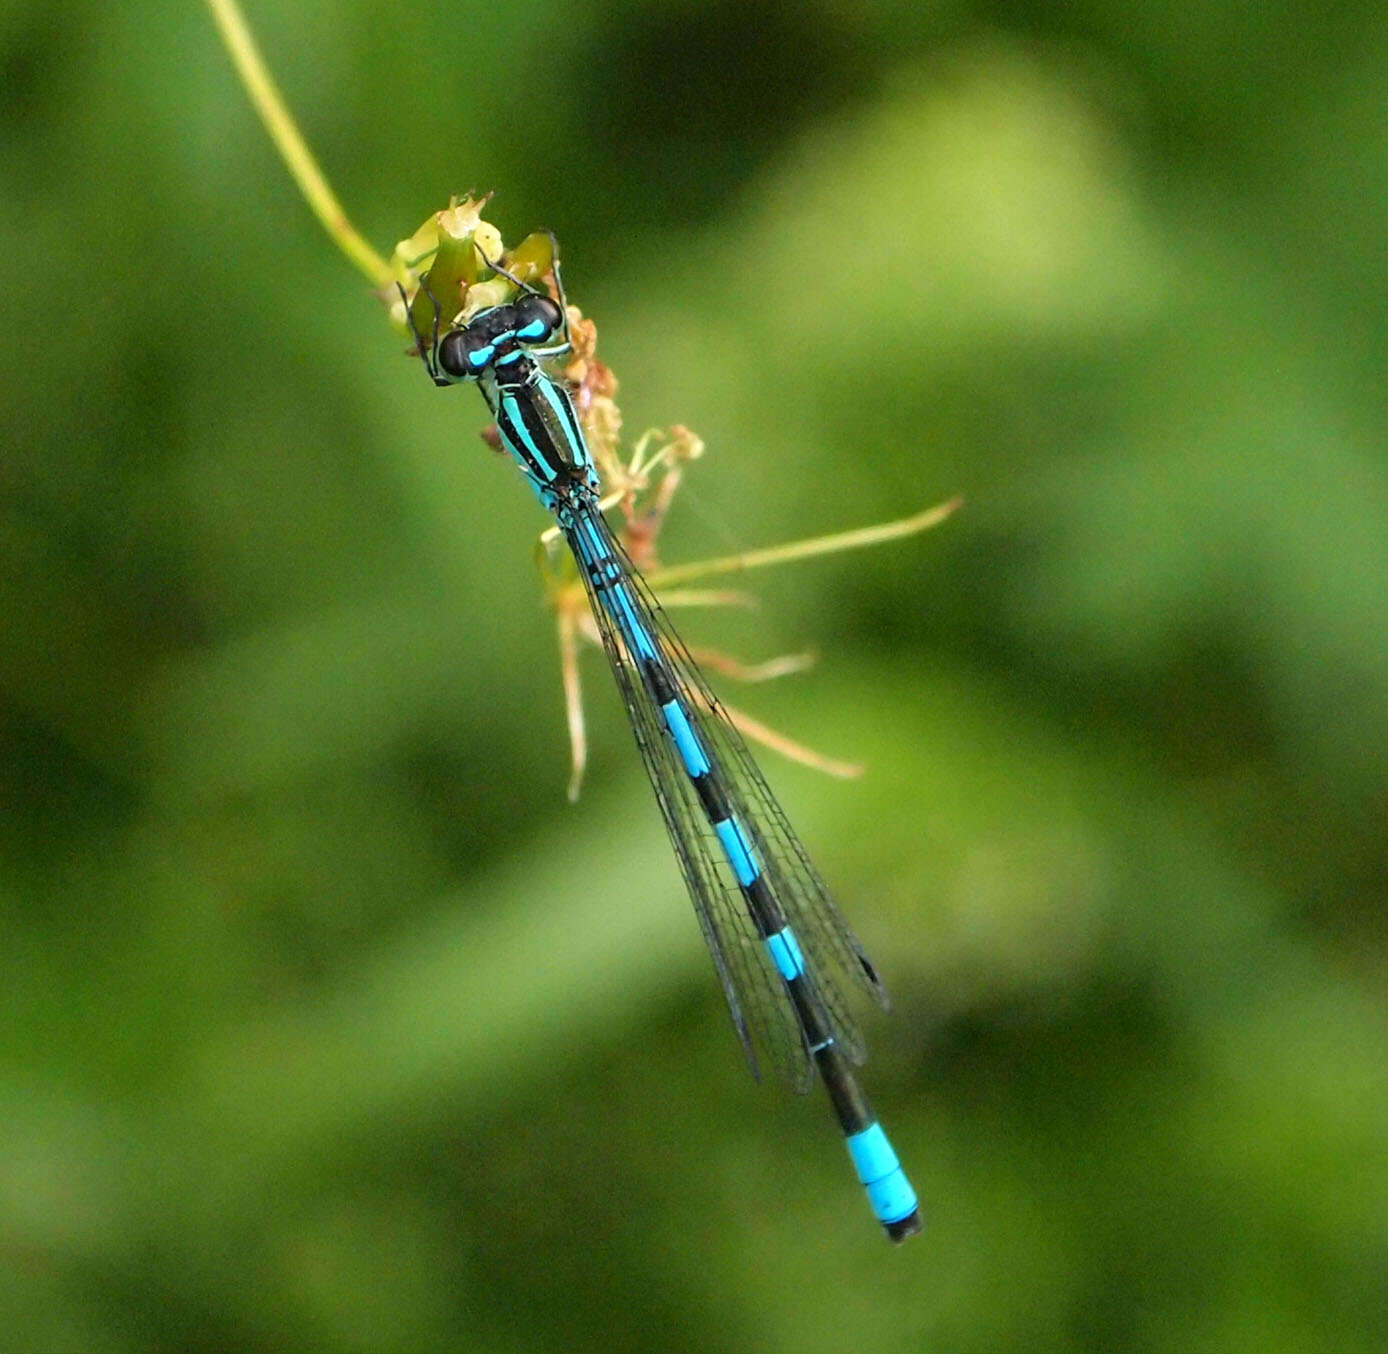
(537, 317)
(463, 353)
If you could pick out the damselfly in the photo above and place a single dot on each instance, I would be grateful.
(786, 957)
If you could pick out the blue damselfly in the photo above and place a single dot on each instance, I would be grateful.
(786, 957)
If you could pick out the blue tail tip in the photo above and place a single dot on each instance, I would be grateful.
(897, 1232)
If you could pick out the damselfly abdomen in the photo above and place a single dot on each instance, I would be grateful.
(786, 957)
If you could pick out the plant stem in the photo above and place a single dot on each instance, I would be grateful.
(819, 545)
(294, 151)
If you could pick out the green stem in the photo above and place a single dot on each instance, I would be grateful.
(294, 151)
(818, 545)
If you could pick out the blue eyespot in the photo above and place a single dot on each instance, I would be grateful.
(536, 329)
(479, 357)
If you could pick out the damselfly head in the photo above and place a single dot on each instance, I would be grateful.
(466, 353)
(494, 336)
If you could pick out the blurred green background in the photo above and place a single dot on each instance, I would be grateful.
(329, 1025)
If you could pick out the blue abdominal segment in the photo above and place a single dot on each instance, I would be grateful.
(889, 1192)
(738, 850)
(686, 740)
(785, 952)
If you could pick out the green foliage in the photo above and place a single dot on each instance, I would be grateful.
(329, 1024)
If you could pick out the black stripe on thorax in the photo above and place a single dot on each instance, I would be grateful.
(515, 438)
